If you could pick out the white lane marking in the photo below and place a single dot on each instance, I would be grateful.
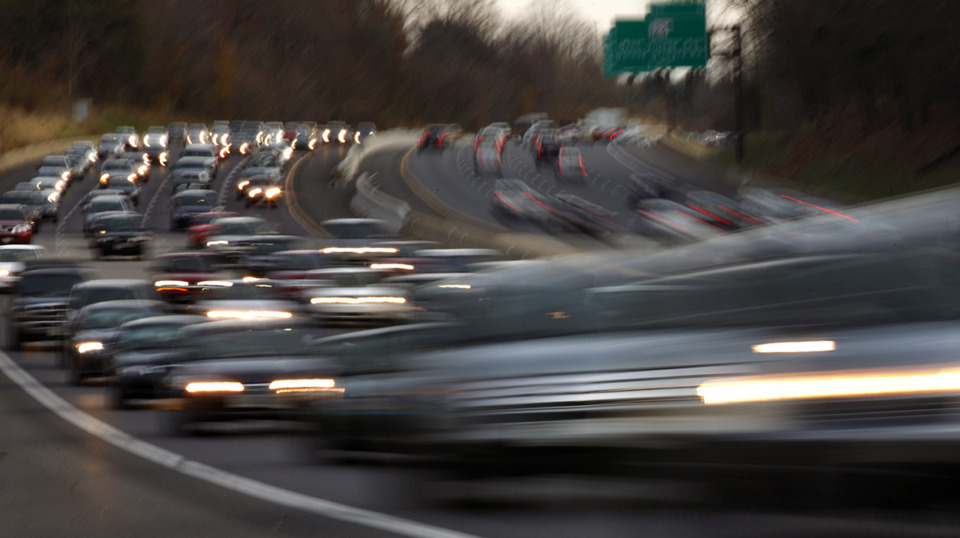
(176, 462)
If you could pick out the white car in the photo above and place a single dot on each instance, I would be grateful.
(11, 262)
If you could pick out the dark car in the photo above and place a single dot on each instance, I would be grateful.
(131, 139)
(184, 176)
(335, 131)
(184, 205)
(263, 189)
(155, 145)
(101, 204)
(111, 146)
(16, 224)
(119, 234)
(33, 202)
(547, 145)
(177, 277)
(306, 137)
(429, 137)
(209, 164)
(569, 164)
(119, 168)
(129, 188)
(143, 351)
(95, 327)
(243, 369)
(38, 309)
(197, 133)
(365, 129)
(176, 133)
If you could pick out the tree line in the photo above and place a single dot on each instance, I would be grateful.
(389, 61)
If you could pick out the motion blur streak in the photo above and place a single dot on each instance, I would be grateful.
(293, 384)
(215, 386)
(845, 383)
(813, 346)
(820, 208)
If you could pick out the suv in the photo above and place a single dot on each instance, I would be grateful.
(38, 309)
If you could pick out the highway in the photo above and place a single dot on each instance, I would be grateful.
(57, 478)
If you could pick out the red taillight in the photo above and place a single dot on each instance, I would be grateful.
(530, 196)
(705, 212)
(497, 194)
(582, 171)
(424, 137)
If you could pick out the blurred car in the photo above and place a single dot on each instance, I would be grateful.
(670, 221)
(179, 277)
(487, 155)
(142, 163)
(364, 130)
(38, 308)
(569, 164)
(131, 140)
(197, 133)
(50, 209)
(263, 190)
(205, 150)
(532, 134)
(184, 205)
(430, 136)
(210, 165)
(32, 202)
(226, 231)
(95, 327)
(123, 169)
(243, 369)
(118, 180)
(547, 146)
(220, 134)
(305, 138)
(88, 148)
(156, 145)
(59, 165)
(176, 133)
(202, 225)
(499, 132)
(243, 299)
(12, 258)
(119, 234)
(246, 141)
(49, 182)
(82, 159)
(336, 131)
(142, 354)
(514, 198)
(585, 216)
(111, 146)
(272, 132)
(189, 176)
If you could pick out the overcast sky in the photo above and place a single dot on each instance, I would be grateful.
(601, 12)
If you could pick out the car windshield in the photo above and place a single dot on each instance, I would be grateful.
(143, 337)
(109, 318)
(253, 342)
(48, 284)
(13, 255)
(11, 214)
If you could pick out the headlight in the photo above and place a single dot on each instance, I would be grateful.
(163, 159)
(132, 141)
(21, 228)
(214, 386)
(287, 153)
(104, 178)
(254, 191)
(356, 137)
(216, 242)
(221, 283)
(303, 385)
(243, 184)
(313, 144)
(53, 197)
(171, 283)
(65, 175)
(4, 272)
(273, 193)
(132, 177)
(143, 170)
(388, 266)
(224, 152)
(342, 137)
(225, 139)
(86, 347)
(243, 148)
(326, 135)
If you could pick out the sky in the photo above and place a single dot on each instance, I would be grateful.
(600, 12)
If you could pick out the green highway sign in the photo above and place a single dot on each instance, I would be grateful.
(671, 35)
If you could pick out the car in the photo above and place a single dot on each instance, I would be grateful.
(569, 164)
(49, 182)
(101, 204)
(142, 163)
(197, 133)
(184, 205)
(178, 178)
(245, 369)
(429, 137)
(156, 145)
(176, 133)
(211, 165)
(246, 141)
(50, 209)
(120, 168)
(202, 225)
(220, 134)
(487, 153)
(498, 132)
(205, 150)
(306, 137)
(12, 258)
(364, 130)
(143, 352)
(226, 231)
(547, 146)
(336, 131)
(119, 234)
(120, 178)
(131, 139)
(80, 162)
(88, 148)
(31, 202)
(95, 327)
(263, 189)
(177, 276)
(269, 169)
(290, 131)
(38, 308)
(272, 132)
(111, 146)
(59, 163)
(514, 198)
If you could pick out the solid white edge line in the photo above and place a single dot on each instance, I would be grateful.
(176, 462)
